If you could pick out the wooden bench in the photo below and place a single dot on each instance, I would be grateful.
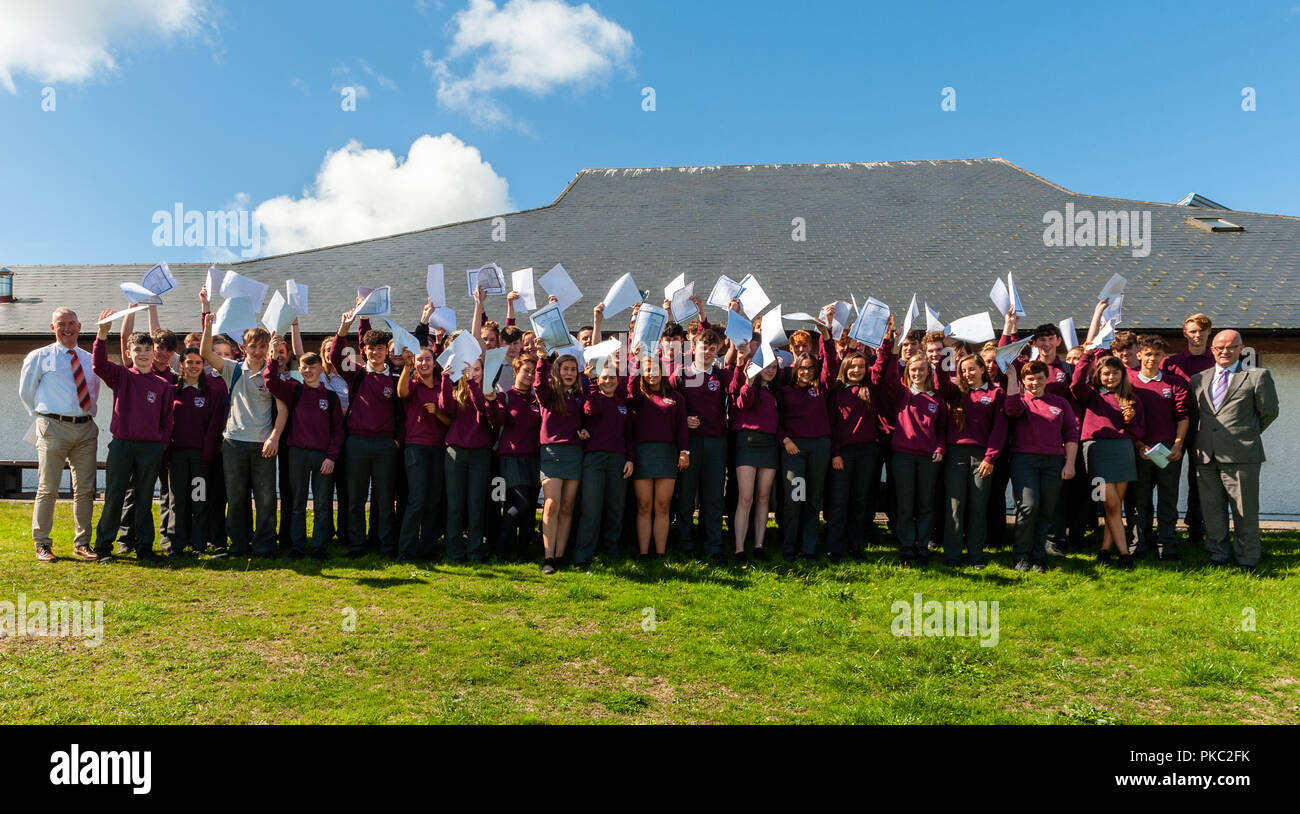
(11, 479)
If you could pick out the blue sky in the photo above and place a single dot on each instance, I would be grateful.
(239, 103)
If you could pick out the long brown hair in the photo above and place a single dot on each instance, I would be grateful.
(1124, 394)
(659, 389)
(842, 378)
(558, 390)
(959, 408)
(929, 370)
(794, 370)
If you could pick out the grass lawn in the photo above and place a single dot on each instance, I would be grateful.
(223, 641)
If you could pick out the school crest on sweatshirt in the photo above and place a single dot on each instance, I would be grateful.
(932, 407)
(388, 392)
(150, 396)
(622, 409)
(713, 385)
(1054, 410)
(324, 404)
(199, 401)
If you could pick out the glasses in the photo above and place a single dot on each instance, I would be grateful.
(1224, 348)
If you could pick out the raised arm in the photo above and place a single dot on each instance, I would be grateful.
(1094, 324)
(280, 388)
(214, 361)
(296, 335)
(103, 368)
(1080, 386)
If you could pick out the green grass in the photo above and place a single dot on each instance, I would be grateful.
(221, 641)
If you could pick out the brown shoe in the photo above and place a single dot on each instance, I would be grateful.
(83, 552)
(45, 555)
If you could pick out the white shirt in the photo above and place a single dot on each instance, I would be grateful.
(1158, 377)
(46, 384)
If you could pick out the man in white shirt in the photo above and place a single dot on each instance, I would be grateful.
(58, 387)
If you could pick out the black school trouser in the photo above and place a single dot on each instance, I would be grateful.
(304, 471)
(604, 491)
(126, 528)
(848, 510)
(804, 480)
(996, 525)
(915, 478)
(424, 492)
(703, 482)
(1162, 511)
(1194, 519)
(133, 464)
(216, 530)
(188, 495)
(246, 471)
(465, 471)
(372, 471)
(967, 496)
(518, 522)
(1036, 483)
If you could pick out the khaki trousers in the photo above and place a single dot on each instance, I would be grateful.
(60, 443)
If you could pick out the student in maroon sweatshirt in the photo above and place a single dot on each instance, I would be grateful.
(1195, 358)
(467, 464)
(143, 403)
(520, 418)
(560, 398)
(198, 419)
(1044, 442)
(423, 453)
(1113, 424)
(315, 438)
(977, 431)
(919, 444)
(855, 397)
(607, 462)
(663, 448)
(704, 386)
(756, 421)
(371, 445)
(805, 433)
(1165, 406)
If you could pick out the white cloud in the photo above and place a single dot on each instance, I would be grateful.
(73, 40)
(361, 193)
(529, 45)
(361, 90)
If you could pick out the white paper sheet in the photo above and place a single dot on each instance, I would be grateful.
(1069, 335)
(912, 313)
(932, 320)
(753, 299)
(1014, 296)
(571, 348)
(1009, 353)
(1159, 455)
(680, 303)
(444, 318)
(376, 303)
(235, 316)
(1105, 335)
(601, 350)
(490, 277)
(560, 285)
(492, 362)
(871, 324)
(772, 330)
(622, 295)
(522, 281)
(724, 291)
(1114, 312)
(549, 325)
(137, 294)
(402, 339)
(296, 295)
(116, 315)
(974, 328)
(739, 329)
(678, 282)
(279, 315)
(464, 351)
(234, 284)
(762, 358)
(213, 281)
(649, 327)
(1113, 288)
(840, 318)
(159, 279)
(435, 284)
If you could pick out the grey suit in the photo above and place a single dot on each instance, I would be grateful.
(1229, 451)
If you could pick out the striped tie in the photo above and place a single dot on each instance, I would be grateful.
(1220, 388)
(78, 376)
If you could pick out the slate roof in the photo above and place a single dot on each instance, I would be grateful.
(944, 229)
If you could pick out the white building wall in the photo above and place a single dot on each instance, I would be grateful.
(1279, 488)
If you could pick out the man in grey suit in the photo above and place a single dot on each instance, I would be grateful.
(1236, 405)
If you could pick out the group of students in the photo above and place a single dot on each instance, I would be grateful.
(686, 433)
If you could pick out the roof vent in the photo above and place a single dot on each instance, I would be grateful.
(1200, 202)
(1215, 225)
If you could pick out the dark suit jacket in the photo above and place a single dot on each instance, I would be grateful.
(1232, 433)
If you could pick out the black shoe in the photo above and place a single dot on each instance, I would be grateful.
(740, 558)
(1219, 564)
(122, 549)
(977, 566)
(582, 566)
(548, 566)
(905, 562)
(713, 558)
(788, 557)
(1103, 557)
(760, 553)
(1249, 569)
(147, 555)
(103, 557)
(952, 563)
(295, 555)
(354, 554)
(835, 557)
(1126, 562)
(219, 552)
(319, 554)
(1023, 565)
